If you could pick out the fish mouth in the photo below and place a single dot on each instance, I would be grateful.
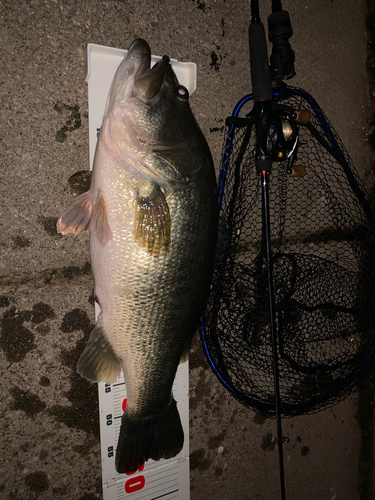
(148, 81)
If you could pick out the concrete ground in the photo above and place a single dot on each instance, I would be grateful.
(49, 415)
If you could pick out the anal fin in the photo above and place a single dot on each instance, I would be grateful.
(152, 224)
(99, 362)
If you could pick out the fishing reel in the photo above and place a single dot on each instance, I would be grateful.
(277, 134)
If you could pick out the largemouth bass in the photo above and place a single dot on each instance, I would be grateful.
(152, 211)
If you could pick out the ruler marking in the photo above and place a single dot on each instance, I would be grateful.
(120, 491)
(163, 484)
(162, 478)
(166, 485)
(146, 496)
(151, 475)
(156, 473)
(153, 489)
(173, 467)
(170, 493)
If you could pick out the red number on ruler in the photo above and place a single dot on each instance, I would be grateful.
(135, 483)
(124, 404)
(134, 471)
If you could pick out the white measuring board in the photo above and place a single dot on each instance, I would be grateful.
(164, 479)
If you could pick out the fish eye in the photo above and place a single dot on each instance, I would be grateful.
(182, 92)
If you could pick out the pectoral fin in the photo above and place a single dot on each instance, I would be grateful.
(102, 229)
(77, 217)
(152, 224)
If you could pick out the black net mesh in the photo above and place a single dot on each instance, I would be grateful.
(323, 248)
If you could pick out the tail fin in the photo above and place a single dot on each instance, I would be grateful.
(141, 439)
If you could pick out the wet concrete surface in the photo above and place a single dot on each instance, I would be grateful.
(49, 416)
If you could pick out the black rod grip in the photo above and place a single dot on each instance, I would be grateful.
(259, 67)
